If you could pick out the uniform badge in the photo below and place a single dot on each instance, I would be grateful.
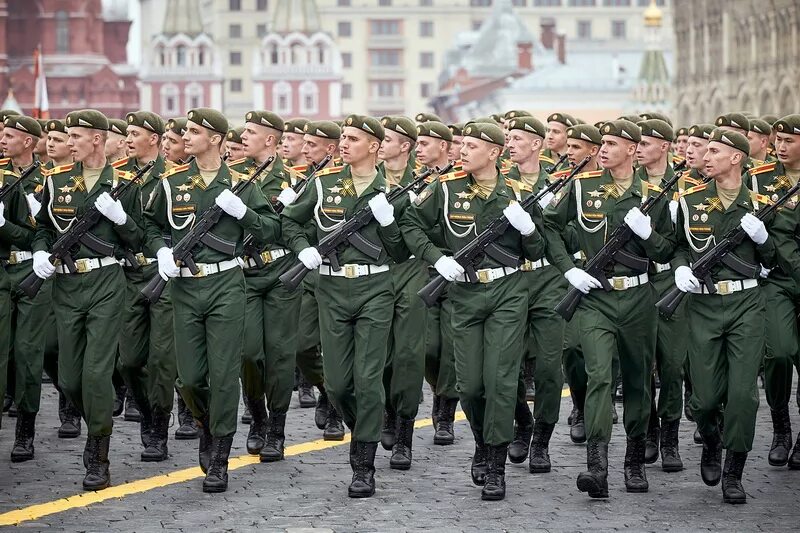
(457, 205)
(185, 187)
(595, 193)
(589, 203)
(178, 197)
(597, 204)
(704, 217)
(466, 205)
(329, 199)
(65, 188)
(335, 189)
(187, 197)
(695, 217)
(337, 200)
(68, 198)
(775, 197)
(61, 199)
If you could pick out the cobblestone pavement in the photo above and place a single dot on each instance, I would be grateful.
(308, 491)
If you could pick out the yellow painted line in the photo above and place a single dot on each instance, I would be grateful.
(34, 512)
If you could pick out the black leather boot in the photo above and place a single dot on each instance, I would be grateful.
(445, 432)
(23, 437)
(247, 417)
(132, 413)
(389, 429)
(119, 400)
(794, 459)
(401, 453)
(97, 476)
(334, 428)
(527, 376)
(204, 449)
(187, 429)
(652, 440)
(435, 409)
(732, 489)
(478, 468)
(711, 459)
(362, 461)
(217, 476)
(696, 437)
(70, 419)
(670, 456)
(494, 488)
(635, 475)
(577, 431)
(257, 436)
(595, 480)
(781, 437)
(305, 393)
(321, 411)
(539, 462)
(156, 447)
(276, 437)
(687, 395)
(523, 429)
(145, 423)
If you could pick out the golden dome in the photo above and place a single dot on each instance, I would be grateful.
(653, 15)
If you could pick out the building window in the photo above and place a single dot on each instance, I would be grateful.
(384, 27)
(282, 97)
(347, 59)
(480, 3)
(343, 3)
(520, 3)
(547, 3)
(235, 58)
(261, 5)
(235, 31)
(425, 3)
(584, 29)
(385, 3)
(581, 3)
(180, 56)
(201, 57)
(426, 90)
(309, 98)
(62, 32)
(385, 58)
(261, 30)
(169, 100)
(618, 29)
(194, 95)
(426, 28)
(344, 29)
(235, 5)
(476, 25)
(617, 3)
(645, 3)
(236, 85)
(426, 59)
(347, 90)
(386, 89)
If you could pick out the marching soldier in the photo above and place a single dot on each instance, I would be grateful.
(57, 150)
(116, 148)
(556, 140)
(487, 332)
(234, 148)
(292, 142)
(209, 307)
(679, 146)
(40, 152)
(726, 352)
(454, 152)
(696, 146)
(759, 138)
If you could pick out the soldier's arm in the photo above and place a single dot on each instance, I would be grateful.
(154, 219)
(419, 220)
(533, 245)
(391, 236)
(18, 229)
(294, 218)
(788, 253)
(660, 247)
(683, 253)
(556, 219)
(260, 219)
(131, 232)
(45, 234)
(767, 253)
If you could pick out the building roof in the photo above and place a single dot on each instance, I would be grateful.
(296, 16)
(182, 16)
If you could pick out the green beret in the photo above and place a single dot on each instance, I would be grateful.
(497, 117)
(516, 114)
(210, 119)
(234, 135)
(734, 139)
(147, 120)
(177, 126)
(42, 123)
(118, 126)
(681, 131)
(483, 120)
(656, 115)
(266, 118)
(55, 125)
(527, 123)
(579, 121)
(457, 129)
(762, 127)
(701, 131)
(326, 129)
(657, 128)
(87, 118)
(599, 124)
(366, 124)
(427, 117)
(624, 129)
(295, 125)
(733, 120)
(770, 119)
(563, 118)
(24, 124)
(7, 113)
(434, 129)
(485, 132)
(585, 132)
(789, 124)
(400, 124)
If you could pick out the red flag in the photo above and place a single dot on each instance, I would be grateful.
(41, 105)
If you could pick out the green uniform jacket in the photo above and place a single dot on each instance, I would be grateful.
(17, 232)
(328, 200)
(33, 183)
(147, 186)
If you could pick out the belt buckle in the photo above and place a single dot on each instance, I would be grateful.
(527, 266)
(141, 259)
(201, 272)
(618, 283)
(82, 266)
(724, 287)
(12, 258)
(484, 276)
(266, 256)
(350, 271)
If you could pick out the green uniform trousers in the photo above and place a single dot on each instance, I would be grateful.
(88, 310)
(5, 332)
(574, 365)
(670, 353)
(781, 343)
(270, 335)
(147, 343)
(724, 356)
(355, 318)
(622, 323)
(309, 355)
(29, 324)
(544, 339)
(405, 360)
(209, 338)
(440, 365)
(488, 339)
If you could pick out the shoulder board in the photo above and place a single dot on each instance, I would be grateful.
(121, 162)
(514, 184)
(761, 169)
(125, 175)
(506, 163)
(561, 173)
(5, 160)
(237, 161)
(698, 188)
(330, 170)
(543, 158)
(505, 170)
(590, 174)
(760, 198)
(299, 168)
(691, 181)
(59, 170)
(238, 176)
(651, 187)
(176, 169)
(457, 175)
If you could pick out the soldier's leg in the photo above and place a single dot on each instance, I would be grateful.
(309, 357)
(446, 382)
(598, 342)
(707, 362)
(5, 332)
(254, 357)
(69, 305)
(468, 345)
(433, 340)
(134, 348)
(190, 346)
(546, 341)
(574, 365)
(161, 362)
(409, 345)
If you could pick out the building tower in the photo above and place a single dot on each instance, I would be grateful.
(652, 89)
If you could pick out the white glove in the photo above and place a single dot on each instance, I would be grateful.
(382, 210)
(519, 218)
(166, 264)
(310, 258)
(2, 214)
(34, 204)
(582, 281)
(448, 268)
(754, 228)
(685, 279)
(765, 272)
(412, 196)
(42, 266)
(111, 209)
(287, 196)
(231, 204)
(639, 223)
(673, 211)
(545, 200)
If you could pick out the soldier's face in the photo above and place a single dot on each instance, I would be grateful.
(172, 147)
(236, 150)
(680, 145)
(787, 148)
(41, 146)
(84, 141)
(454, 154)
(720, 159)
(393, 145)
(57, 145)
(114, 144)
(522, 146)
(357, 145)
(556, 138)
(292, 146)
(758, 142)
(615, 151)
(199, 140)
(15, 143)
(140, 141)
(316, 148)
(650, 151)
(476, 154)
(257, 138)
(430, 150)
(578, 150)
(695, 151)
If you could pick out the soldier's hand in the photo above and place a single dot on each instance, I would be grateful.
(764, 272)
(111, 209)
(2, 214)
(639, 223)
(545, 200)
(382, 210)
(287, 196)
(310, 258)
(581, 280)
(166, 264)
(448, 268)
(673, 211)
(754, 228)
(34, 204)
(231, 204)
(519, 218)
(685, 279)
(42, 266)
